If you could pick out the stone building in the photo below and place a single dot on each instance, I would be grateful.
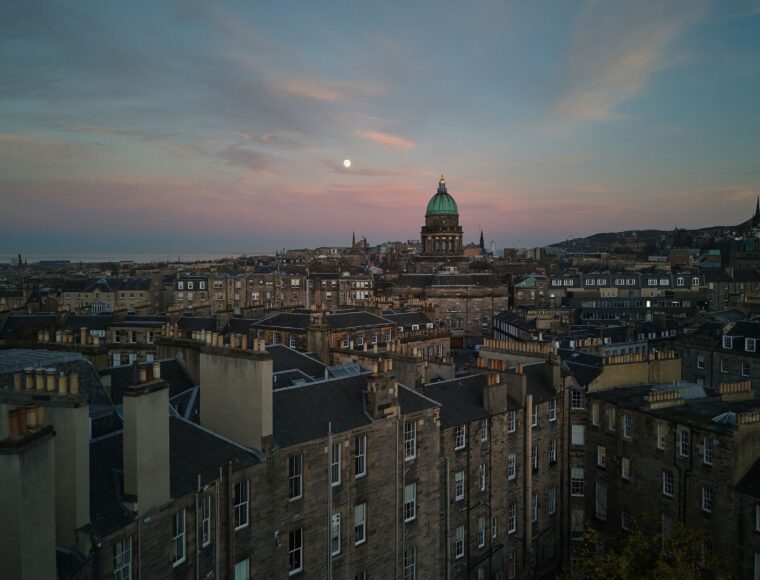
(108, 294)
(441, 235)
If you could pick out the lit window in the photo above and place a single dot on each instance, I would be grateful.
(360, 523)
(459, 437)
(335, 535)
(459, 486)
(511, 466)
(335, 464)
(241, 504)
(122, 559)
(410, 440)
(459, 542)
(178, 538)
(295, 477)
(667, 483)
(410, 502)
(707, 457)
(360, 456)
(295, 551)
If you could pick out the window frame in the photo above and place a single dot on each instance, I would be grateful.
(512, 518)
(625, 468)
(459, 542)
(511, 422)
(295, 477)
(483, 432)
(295, 551)
(707, 499)
(360, 456)
(206, 510)
(336, 466)
(708, 451)
(360, 525)
(460, 437)
(410, 440)
(122, 559)
(668, 484)
(238, 509)
(511, 466)
(459, 485)
(627, 426)
(577, 484)
(179, 538)
(335, 531)
(410, 502)
(552, 500)
(410, 563)
(552, 410)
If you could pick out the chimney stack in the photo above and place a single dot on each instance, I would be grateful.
(146, 446)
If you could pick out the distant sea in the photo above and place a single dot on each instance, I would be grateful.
(137, 258)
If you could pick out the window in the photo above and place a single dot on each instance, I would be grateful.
(482, 476)
(481, 531)
(723, 365)
(180, 285)
(625, 520)
(511, 422)
(360, 456)
(707, 500)
(241, 504)
(410, 502)
(295, 551)
(295, 476)
(178, 538)
(459, 542)
(534, 416)
(625, 468)
(601, 456)
(335, 464)
(484, 429)
(511, 466)
(601, 501)
(459, 486)
(291, 341)
(206, 521)
(122, 559)
(750, 344)
(459, 437)
(360, 523)
(553, 410)
(577, 482)
(595, 414)
(534, 457)
(552, 500)
(695, 281)
(410, 563)
(707, 455)
(745, 368)
(683, 443)
(494, 526)
(335, 535)
(189, 285)
(242, 570)
(410, 440)
(512, 518)
(552, 451)
(578, 436)
(534, 508)
(346, 341)
(662, 433)
(611, 419)
(627, 426)
(512, 564)
(667, 483)
(700, 361)
(577, 400)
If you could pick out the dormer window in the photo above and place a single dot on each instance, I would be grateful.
(750, 344)
(189, 285)
(728, 342)
(180, 285)
(589, 281)
(695, 281)
(652, 282)
(679, 281)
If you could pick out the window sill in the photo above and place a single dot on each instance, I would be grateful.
(294, 499)
(245, 525)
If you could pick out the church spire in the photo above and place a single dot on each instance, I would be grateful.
(756, 217)
(353, 239)
(482, 242)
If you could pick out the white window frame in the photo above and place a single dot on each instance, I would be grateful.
(295, 551)
(723, 365)
(179, 547)
(360, 456)
(728, 342)
(241, 507)
(577, 482)
(335, 464)
(552, 410)
(745, 368)
(707, 500)
(460, 437)
(684, 442)
(122, 559)
(511, 422)
(410, 563)
(459, 480)
(482, 476)
(750, 342)
(206, 520)
(708, 449)
(552, 501)
(295, 477)
(625, 468)
(335, 544)
(483, 430)
(552, 451)
(481, 531)
(534, 416)
(601, 456)
(611, 419)
(627, 426)
(595, 414)
(668, 483)
(511, 466)
(459, 542)
(410, 440)
(700, 361)
(512, 518)
(410, 502)
(360, 524)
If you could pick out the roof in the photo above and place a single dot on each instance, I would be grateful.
(750, 482)
(353, 319)
(285, 359)
(407, 319)
(584, 367)
(288, 320)
(197, 323)
(461, 399)
(125, 376)
(539, 383)
(25, 326)
(91, 322)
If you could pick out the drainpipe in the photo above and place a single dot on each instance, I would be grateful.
(329, 497)
(528, 478)
(197, 544)
(217, 532)
(448, 521)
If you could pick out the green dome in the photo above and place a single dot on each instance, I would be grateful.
(442, 203)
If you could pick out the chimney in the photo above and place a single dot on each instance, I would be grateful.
(27, 501)
(74, 383)
(237, 391)
(146, 446)
(17, 381)
(50, 380)
(29, 379)
(156, 369)
(382, 395)
(39, 380)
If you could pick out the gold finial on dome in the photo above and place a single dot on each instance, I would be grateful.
(442, 181)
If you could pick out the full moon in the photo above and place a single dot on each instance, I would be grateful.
(346, 163)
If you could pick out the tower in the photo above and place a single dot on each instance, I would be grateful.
(441, 235)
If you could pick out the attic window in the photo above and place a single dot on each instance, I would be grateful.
(415, 326)
(728, 342)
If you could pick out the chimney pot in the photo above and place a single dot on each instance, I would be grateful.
(29, 378)
(21, 419)
(142, 373)
(17, 381)
(74, 383)
(50, 382)
(63, 384)
(46, 336)
(31, 418)
(39, 413)
(13, 424)
(156, 370)
(39, 380)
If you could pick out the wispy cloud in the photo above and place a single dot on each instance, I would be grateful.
(324, 90)
(27, 146)
(615, 49)
(238, 155)
(387, 139)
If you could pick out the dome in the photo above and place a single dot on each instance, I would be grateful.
(442, 203)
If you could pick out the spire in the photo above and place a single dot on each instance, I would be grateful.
(353, 239)
(442, 184)
(482, 242)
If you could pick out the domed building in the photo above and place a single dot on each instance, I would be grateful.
(442, 234)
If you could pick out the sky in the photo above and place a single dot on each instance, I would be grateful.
(180, 126)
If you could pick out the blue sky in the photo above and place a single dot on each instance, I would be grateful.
(184, 127)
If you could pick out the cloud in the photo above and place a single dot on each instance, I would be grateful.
(615, 49)
(387, 139)
(322, 90)
(237, 155)
(27, 147)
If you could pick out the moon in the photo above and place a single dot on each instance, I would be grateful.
(346, 163)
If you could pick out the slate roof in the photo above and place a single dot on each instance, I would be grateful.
(407, 319)
(411, 401)
(288, 320)
(198, 323)
(193, 451)
(461, 399)
(354, 319)
(285, 358)
(239, 325)
(538, 383)
(750, 482)
(125, 376)
(91, 322)
(303, 413)
(25, 326)
(584, 367)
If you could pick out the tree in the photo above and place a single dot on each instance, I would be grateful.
(644, 553)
